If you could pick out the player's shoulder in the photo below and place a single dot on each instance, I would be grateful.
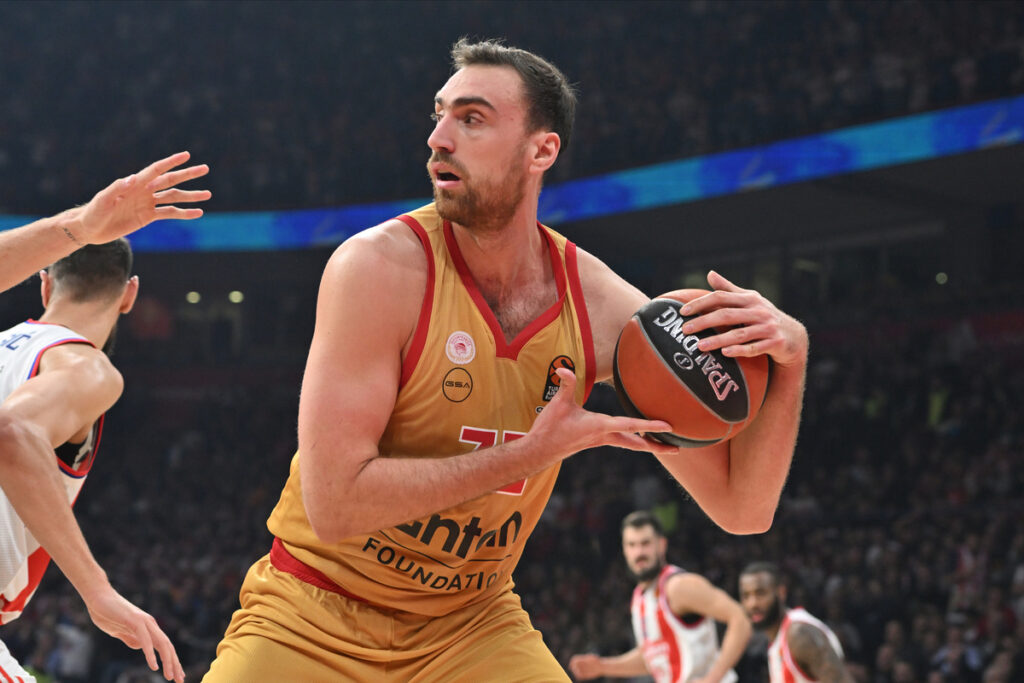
(390, 251)
(90, 367)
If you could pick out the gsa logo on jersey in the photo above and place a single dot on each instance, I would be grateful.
(457, 385)
(554, 381)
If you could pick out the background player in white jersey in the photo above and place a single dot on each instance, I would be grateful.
(802, 648)
(124, 206)
(56, 384)
(674, 614)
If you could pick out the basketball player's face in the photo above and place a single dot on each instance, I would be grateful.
(761, 599)
(644, 551)
(478, 147)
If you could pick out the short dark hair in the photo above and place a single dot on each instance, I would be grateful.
(95, 271)
(769, 568)
(552, 100)
(642, 518)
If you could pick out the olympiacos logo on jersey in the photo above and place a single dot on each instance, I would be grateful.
(460, 348)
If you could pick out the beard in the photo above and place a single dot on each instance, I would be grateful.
(108, 346)
(484, 208)
(649, 574)
(772, 616)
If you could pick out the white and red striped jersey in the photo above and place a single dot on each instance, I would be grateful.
(22, 561)
(674, 650)
(782, 668)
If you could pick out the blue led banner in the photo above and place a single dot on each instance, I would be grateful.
(860, 148)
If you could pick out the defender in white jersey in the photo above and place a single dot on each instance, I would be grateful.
(803, 648)
(674, 614)
(55, 386)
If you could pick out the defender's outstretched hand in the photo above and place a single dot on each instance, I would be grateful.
(753, 324)
(128, 204)
(119, 618)
(571, 429)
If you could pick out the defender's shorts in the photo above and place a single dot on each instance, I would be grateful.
(290, 631)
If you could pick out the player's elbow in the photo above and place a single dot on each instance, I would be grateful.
(326, 523)
(17, 435)
(746, 520)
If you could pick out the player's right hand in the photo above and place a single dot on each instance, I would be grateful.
(585, 667)
(570, 428)
(128, 204)
(119, 618)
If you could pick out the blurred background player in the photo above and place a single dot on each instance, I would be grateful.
(802, 648)
(124, 206)
(674, 614)
(56, 384)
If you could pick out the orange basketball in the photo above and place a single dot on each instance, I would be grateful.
(660, 374)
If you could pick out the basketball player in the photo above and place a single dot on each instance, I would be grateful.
(453, 348)
(674, 614)
(56, 384)
(803, 648)
(122, 207)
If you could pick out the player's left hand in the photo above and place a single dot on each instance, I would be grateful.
(751, 324)
(128, 204)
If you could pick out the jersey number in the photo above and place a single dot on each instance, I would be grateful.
(485, 438)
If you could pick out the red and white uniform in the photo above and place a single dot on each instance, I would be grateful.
(22, 561)
(674, 650)
(782, 668)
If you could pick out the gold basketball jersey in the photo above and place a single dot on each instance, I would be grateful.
(463, 387)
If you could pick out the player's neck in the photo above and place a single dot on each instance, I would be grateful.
(506, 256)
(91, 320)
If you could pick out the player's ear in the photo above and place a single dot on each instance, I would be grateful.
(131, 292)
(544, 150)
(45, 287)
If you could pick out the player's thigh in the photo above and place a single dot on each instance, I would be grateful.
(505, 648)
(288, 631)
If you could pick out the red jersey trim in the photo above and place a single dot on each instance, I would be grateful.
(667, 573)
(502, 348)
(580, 304)
(284, 561)
(419, 338)
(37, 563)
(787, 655)
(87, 465)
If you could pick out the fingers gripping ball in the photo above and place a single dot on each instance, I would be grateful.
(660, 374)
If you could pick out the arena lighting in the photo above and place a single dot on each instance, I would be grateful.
(941, 278)
(193, 297)
(236, 297)
(908, 139)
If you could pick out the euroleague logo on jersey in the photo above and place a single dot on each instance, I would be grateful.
(460, 348)
(553, 380)
(457, 385)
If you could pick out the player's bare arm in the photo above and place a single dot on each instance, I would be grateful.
(692, 593)
(814, 654)
(627, 665)
(124, 206)
(738, 482)
(82, 382)
(368, 306)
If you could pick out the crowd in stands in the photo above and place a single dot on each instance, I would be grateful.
(323, 104)
(900, 525)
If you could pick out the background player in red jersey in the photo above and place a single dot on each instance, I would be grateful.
(803, 648)
(674, 613)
